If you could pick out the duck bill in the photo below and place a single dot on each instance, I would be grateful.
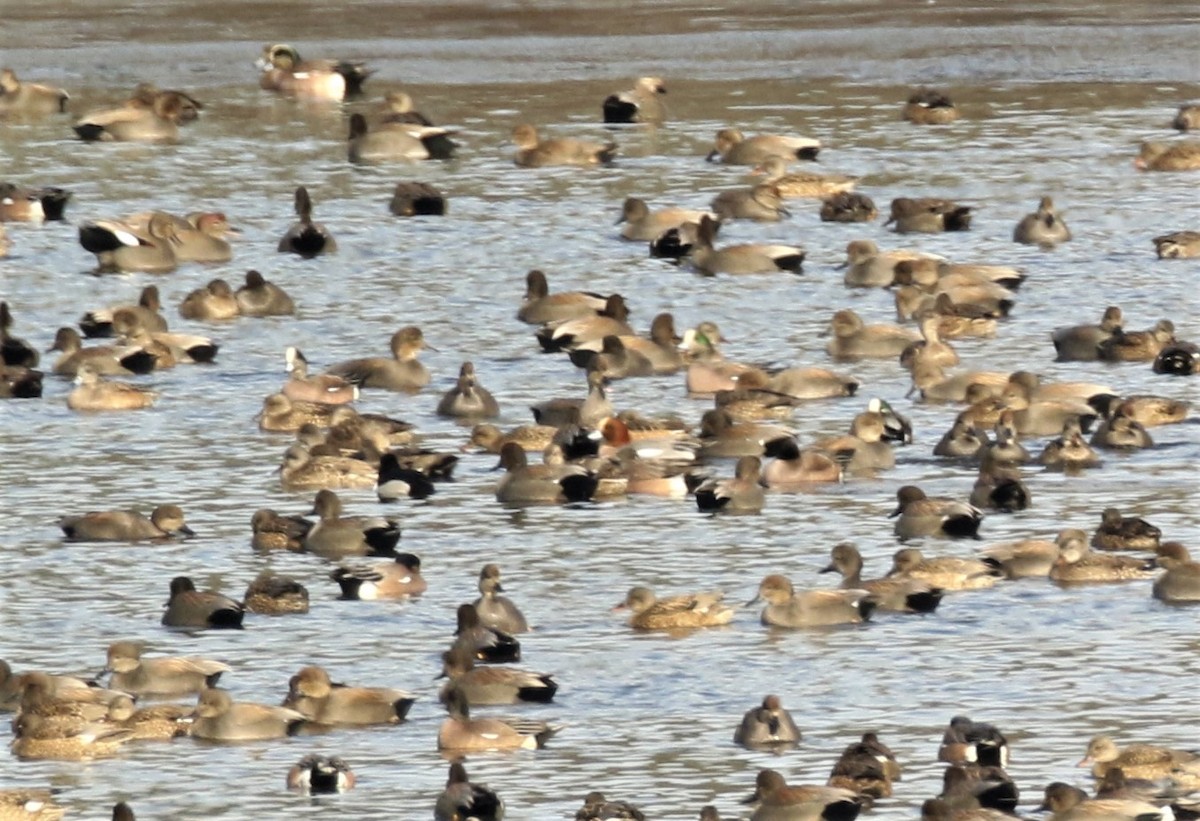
(1087, 760)
(754, 600)
(186, 531)
(832, 568)
(895, 513)
(753, 799)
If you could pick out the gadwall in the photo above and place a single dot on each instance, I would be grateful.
(1187, 118)
(14, 351)
(160, 722)
(533, 152)
(901, 595)
(461, 732)
(930, 347)
(285, 72)
(65, 688)
(944, 572)
(643, 225)
(918, 515)
(734, 148)
(321, 774)
(999, 486)
(848, 207)
(468, 399)
(486, 644)
(120, 247)
(964, 440)
(596, 807)
(219, 718)
(1121, 432)
(868, 267)
(148, 308)
(29, 804)
(746, 258)
(812, 383)
(29, 99)
(761, 203)
(1148, 410)
(659, 349)
(524, 483)
(779, 802)
(767, 726)
(1069, 803)
(258, 297)
(397, 579)
(398, 107)
(215, 301)
(928, 106)
(682, 611)
(464, 799)
(1117, 532)
(392, 142)
(335, 536)
(417, 199)
(613, 360)
(158, 123)
(1179, 245)
(1137, 346)
(199, 237)
(973, 742)
(145, 95)
(1076, 563)
(955, 320)
(1136, 760)
(721, 436)
(852, 339)
(741, 494)
(1178, 359)
(189, 607)
(935, 385)
(1174, 156)
(493, 685)
(301, 470)
(793, 184)
(283, 415)
(928, 215)
(1181, 581)
(395, 481)
(1081, 343)
(305, 237)
(640, 104)
(163, 676)
(497, 612)
(312, 694)
(269, 594)
(867, 767)
(540, 307)
(38, 737)
(164, 523)
(811, 608)
(1070, 451)
(169, 348)
(568, 333)
(1043, 227)
(794, 468)
(20, 204)
(106, 360)
(1029, 558)
(403, 372)
(324, 388)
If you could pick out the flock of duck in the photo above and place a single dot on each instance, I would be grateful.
(591, 451)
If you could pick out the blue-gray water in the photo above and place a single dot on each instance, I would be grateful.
(1055, 99)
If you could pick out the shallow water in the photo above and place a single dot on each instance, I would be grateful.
(1055, 99)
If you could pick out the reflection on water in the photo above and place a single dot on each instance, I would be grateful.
(650, 717)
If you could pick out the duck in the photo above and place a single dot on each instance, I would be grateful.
(779, 802)
(640, 224)
(999, 485)
(852, 339)
(954, 321)
(322, 388)
(199, 237)
(105, 360)
(21, 204)
(811, 608)
(570, 333)
(971, 786)
(148, 309)
(930, 347)
(403, 372)
(596, 807)
(20, 383)
(219, 718)
(1076, 563)
(761, 203)
(335, 536)
(848, 206)
(1028, 558)
(640, 104)
(1136, 760)
(312, 694)
(867, 767)
(483, 643)
(160, 722)
(305, 237)
(259, 297)
(929, 215)
(944, 572)
(928, 106)
(790, 185)
(189, 607)
(1187, 118)
(162, 676)
(158, 123)
(868, 267)
(281, 414)
(214, 302)
(747, 258)
(899, 595)
(681, 611)
(460, 732)
(463, 799)
(120, 247)
(1178, 245)
(417, 199)
(523, 483)
(1121, 432)
(398, 579)
(794, 468)
(973, 742)
(1081, 343)
(493, 684)
(301, 470)
(1178, 359)
(540, 307)
(918, 515)
(394, 481)
(659, 350)
(1137, 346)
(1119, 532)
(166, 522)
(1069, 451)
(741, 494)
(393, 142)
(935, 385)
(1147, 410)
(491, 439)
(497, 612)
(468, 399)
(1173, 156)
(285, 72)
(269, 594)
(1181, 581)
(533, 152)
(145, 95)
(1068, 803)
(92, 393)
(29, 99)
(169, 348)
(734, 148)
(1043, 227)
(721, 436)
(767, 726)
(315, 773)
(37, 737)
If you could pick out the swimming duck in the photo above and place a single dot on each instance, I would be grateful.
(533, 152)
(598, 808)
(901, 595)
(944, 572)
(779, 802)
(402, 372)
(1178, 245)
(540, 307)
(682, 611)
(767, 726)
(1173, 156)
(323, 388)
(741, 494)
(392, 142)
(497, 612)
(219, 718)
(270, 594)
(417, 199)
(928, 215)
(1181, 581)
(20, 204)
(164, 523)
(258, 297)
(1081, 343)
(973, 742)
(301, 470)
(397, 579)
(811, 608)
(848, 206)
(335, 536)
(285, 72)
(189, 607)
(1076, 563)
(485, 644)
(122, 247)
(868, 267)
(734, 148)
(853, 339)
(215, 301)
(158, 123)
(918, 515)
(315, 696)
(461, 732)
(640, 104)
(927, 106)
(1044, 227)
(761, 203)
(29, 99)
(1117, 532)
(321, 774)
(468, 399)
(866, 767)
(801, 184)
(305, 237)
(161, 676)
(463, 798)
(95, 394)
(493, 684)
(746, 258)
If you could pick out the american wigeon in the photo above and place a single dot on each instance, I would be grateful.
(486, 644)
(219, 718)
(305, 237)
(162, 676)
(540, 307)
(498, 612)
(21, 804)
(867, 767)
(641, 224)
(315, 696)
(761, 203)
(397, 579)
(160, 722)
(321, 774)
(848, 206)
(768, 725)
(122, 247)
(1118, 532)
(811, 608)
(596, 807)
(464, 799)
(402, 372)
(1136, 760)
(973, 742)
(745, 258)
(682, 611)
(568, 333)
(853, 339)
(1076, 563)
(732, 147)
(524, 483)
(29, 99)
(493, 685)
(417, 199)
(901, 595)
(215, 301)
(258, 297)
(533, 152)
(157, 123)
(21, 204)
(1137, 346)
(1172, 156)
(1069, 803)
(1043, 227)
(334, 536)
(189, 607)
(928, 106)
(928, 215)
(741, 494)
(270, 594)
(285, 72)
(1181, 581)
(392, 142)
(779, 802)
(1178, 245)
(468, 399)
(640, 104)
(462, 733)
(39, 737)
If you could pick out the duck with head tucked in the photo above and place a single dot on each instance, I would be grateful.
(165, 523)
(767, 726)
(19, 98)
(1172, 156)
(678, 612)
(157, 123)
(1044, 227)
(928, 106)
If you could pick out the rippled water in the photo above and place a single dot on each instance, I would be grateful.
(1055, 99)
